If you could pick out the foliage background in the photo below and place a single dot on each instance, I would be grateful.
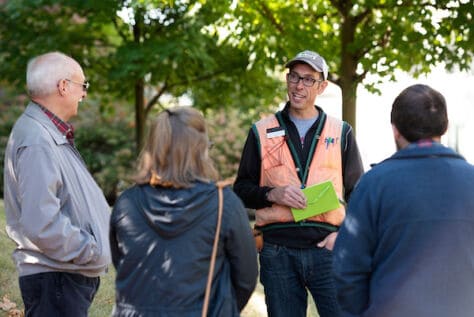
(227, 53)
(106, 139)
(225, 56)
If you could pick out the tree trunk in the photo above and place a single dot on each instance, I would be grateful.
(348, 73)
(139, 86)
(349, 96)
(139, 114)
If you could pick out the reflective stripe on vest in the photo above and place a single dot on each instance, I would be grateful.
(279, 169)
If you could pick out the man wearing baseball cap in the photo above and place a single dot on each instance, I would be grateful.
(284, 153)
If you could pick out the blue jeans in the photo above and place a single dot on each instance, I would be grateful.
(57, 294)
(286, 274)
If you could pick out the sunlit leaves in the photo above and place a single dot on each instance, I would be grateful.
(359, 37)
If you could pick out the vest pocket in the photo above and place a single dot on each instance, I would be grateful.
(280, 175)
(272, 155)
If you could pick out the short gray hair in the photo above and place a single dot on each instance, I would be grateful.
(45, 71)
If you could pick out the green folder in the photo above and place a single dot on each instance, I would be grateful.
(320, 198)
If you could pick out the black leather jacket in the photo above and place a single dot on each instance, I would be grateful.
(161, 241)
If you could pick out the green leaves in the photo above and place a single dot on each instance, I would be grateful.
(225, 53)
(358, 38)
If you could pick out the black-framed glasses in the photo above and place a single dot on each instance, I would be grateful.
(85, 85)
(294, 78)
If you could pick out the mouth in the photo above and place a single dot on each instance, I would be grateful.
(297, 96)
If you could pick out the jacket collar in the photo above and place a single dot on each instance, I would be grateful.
(34, 111)
(424, 150)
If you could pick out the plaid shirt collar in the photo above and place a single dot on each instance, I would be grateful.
(65, 128)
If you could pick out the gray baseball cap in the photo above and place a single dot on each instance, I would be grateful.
(313, 59)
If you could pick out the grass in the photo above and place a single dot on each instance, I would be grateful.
(8, 280)
(104, 300)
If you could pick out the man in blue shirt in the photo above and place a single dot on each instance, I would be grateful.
(406, 245)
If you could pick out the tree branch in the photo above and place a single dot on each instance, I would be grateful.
(267, 13)
(119, 30)
(155, 98)
(362, 16)
(167, 86)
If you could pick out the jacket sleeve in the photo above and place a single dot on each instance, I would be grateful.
(353, 253)
(240, 249)
(42, 221)
(352, 167)
(122, 206)
(247, 183)
(114, 246)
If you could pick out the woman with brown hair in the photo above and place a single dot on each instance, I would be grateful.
(162, 229)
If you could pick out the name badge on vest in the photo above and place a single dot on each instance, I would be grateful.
(275, 132)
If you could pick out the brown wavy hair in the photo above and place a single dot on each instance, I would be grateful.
(175, 153)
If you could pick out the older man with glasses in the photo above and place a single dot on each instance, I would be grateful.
(56, 214)
(295, 148)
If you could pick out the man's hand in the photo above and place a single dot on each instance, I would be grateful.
(290, 196)
(329, 241)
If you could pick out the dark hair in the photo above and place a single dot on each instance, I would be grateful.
(419, 112)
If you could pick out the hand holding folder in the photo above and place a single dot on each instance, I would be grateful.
(320, 199)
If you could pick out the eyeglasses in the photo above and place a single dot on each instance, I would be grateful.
(84, 85)
(294, 78)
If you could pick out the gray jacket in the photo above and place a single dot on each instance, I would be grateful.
(56, 213)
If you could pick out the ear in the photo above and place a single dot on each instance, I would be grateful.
(396, 133)
(400, 140)
(322, 86)
(62, 87)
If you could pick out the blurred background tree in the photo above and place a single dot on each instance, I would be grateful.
(357, 38)
(224, 57)
(140, 57)
(138, 51)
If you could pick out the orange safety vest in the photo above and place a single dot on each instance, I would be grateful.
(278, 166)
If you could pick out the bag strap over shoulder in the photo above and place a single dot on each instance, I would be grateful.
(220, 185)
